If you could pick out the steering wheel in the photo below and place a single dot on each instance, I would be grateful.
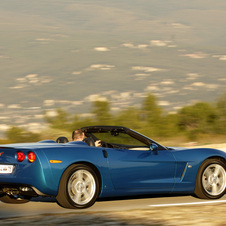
(106, 145)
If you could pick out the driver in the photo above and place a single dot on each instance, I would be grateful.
(79, 135)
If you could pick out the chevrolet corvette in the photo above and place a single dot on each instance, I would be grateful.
(126, 164)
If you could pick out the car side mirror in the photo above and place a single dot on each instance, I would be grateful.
(154, 147)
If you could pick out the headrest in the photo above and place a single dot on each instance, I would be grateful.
(62, 140)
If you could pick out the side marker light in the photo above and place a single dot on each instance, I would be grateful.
(55, 161)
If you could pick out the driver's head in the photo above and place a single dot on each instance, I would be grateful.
(78, 135)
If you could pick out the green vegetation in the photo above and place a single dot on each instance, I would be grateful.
(18, 135)
(200, 121)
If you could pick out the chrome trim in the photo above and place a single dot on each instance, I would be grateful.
(184, 171)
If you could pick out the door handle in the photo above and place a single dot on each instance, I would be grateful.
(105, 154)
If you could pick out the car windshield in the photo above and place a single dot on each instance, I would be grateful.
(118, 138)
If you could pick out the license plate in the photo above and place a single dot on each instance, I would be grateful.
(6, 169)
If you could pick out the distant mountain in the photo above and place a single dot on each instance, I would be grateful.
(68, 53)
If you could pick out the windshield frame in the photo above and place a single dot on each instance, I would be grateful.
(91, 130)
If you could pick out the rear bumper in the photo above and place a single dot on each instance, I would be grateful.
(20, 190)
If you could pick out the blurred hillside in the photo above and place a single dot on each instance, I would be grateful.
(202, 123)
(70, 53)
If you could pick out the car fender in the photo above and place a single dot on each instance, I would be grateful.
(54, 163)
(188, 162)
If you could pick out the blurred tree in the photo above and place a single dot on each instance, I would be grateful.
(60, 121)
(79, 122)
(18, 135)
(129, 118)
(168, 126)
(101, 111)
(196, 119)
(150, 109)
(221, 112)
(151, 115)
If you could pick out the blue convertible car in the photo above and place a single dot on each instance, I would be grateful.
(127, 163)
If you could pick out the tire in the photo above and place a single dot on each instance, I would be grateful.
(79, 187)
(13, 200)
(211, 179)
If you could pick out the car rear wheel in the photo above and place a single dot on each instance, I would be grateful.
(79, 187)
(211, 179)
(14, 200)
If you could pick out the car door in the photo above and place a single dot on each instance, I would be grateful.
(141, 170)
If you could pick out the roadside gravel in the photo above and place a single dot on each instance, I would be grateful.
(214, 215)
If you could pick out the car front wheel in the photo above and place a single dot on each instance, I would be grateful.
(211, 179)
(79, 187)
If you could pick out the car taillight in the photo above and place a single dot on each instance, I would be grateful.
(20, 156)
(31, 156)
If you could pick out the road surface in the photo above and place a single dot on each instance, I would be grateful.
(49, 206)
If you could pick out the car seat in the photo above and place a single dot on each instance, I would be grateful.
(89, 141)
(62, 140)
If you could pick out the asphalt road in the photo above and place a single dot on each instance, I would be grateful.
(49, 206)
